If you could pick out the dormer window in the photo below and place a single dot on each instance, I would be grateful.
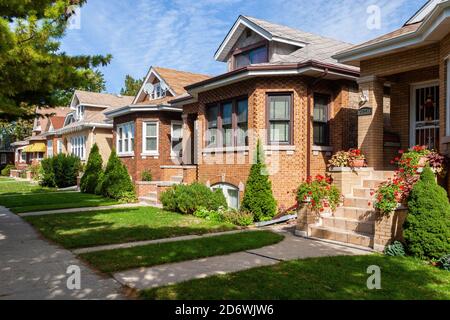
(245, 57)
(79, 115)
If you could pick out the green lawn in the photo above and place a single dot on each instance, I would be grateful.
(87, 229)
(320, 278)
(52, 201)
(9, 186)
(161, 253)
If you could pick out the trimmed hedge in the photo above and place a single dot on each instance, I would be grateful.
(258, 196)
(60, 171)
(116, 183)
(6, 171)
(93, 171)
(187, 199)
(427, 227)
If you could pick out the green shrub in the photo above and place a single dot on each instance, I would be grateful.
(238, 218)
(93, 170)
(187, 199)
(36, 171)
(116, 182)
(147, 176)
(6, 171)
(427, 227)
(258, 196)
(444, 262)
(60, 171)
(396, 249)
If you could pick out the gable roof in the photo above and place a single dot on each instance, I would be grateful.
(57, 122)
(101, 99)
(428, 25)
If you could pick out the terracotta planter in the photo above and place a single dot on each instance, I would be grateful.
(357, 163)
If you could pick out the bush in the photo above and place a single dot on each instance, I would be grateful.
(238, 218)
(6, 171)
(444, 262)
(395, 249)
(427, 227)
(60, 171)
(36, 172)
(258, 196)
(93, 170)
(320, 193)
(187, 199)
(116, 182)
(147, 176)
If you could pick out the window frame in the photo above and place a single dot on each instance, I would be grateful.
(225, 187)
(78, 147)
(50, 148)
(59, 146)
(245, 50)
(146, 152)
(291, 120)
(4, 158)
(234, 123)
(327, 123)
(122, 138)
(179, 123)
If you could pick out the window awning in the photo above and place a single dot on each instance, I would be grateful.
(35, 147)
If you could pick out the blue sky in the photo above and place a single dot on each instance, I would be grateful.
(184, 34)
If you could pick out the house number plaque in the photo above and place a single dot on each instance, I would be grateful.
(365, 111)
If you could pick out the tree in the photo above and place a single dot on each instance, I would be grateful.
(132, 86)
(427, 226)
(34, 71)
(92, 174)
(258, 196)
(16, 130)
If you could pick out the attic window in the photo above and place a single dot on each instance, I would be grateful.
(156, 90)
(248, 33)
(252, 56)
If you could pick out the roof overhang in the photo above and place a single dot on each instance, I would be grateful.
(235, 32)
(20, 143)
(82, 126)
(141, 108)
(433, 29)
(310, 68)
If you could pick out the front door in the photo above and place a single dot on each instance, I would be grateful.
(425, 115)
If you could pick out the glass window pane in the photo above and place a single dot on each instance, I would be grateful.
(227, 113)
(151, 130)
(233, 198)
(177, 131)
(227, 136)
(258, 55)
(279, 132)
(321, 108)
(150, 144)
(242, 135)
(280, 107)
(211, 137)
(242, 60)
(177, 147)
(242, 111)
(211, 114)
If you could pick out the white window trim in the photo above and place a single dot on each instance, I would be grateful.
(59, 146)
(447, 98)
(226, 186)
(78, 147)
(126, 140)
(49, 148)
(175, 122)
(144, 139)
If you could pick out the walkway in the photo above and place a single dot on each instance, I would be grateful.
(290, 249)
(32, 268)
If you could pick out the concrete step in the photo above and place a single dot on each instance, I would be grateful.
(363, 203)
(359, 226)
(177, 179)
(149, 200)
(353, 213)
(382, 175)
(353, 238)
(368, 193)
(373, 183)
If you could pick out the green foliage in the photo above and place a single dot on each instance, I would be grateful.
(60, 171)
(187, 199)
(35, 171)
(116, 182)
(319, 192)
(444, 262)
(258, 196)
(92, 172)
(427, 227)
(147, 176)
(238, 218)
(396, 249)
(35, 71)
(6, 171)
(131, 86)
(388, 196)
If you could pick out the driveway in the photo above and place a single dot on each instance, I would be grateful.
(32, 268)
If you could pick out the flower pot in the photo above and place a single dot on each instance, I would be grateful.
(357, 163)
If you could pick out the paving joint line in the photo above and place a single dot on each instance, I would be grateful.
(264, 256)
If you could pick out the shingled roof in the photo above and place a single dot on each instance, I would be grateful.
(102, 99)
(177, 80)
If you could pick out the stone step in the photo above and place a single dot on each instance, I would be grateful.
(149, 200)
(177, 179)
(353, 213)
(368, 193)
(354, 238)
(363, 203)
(382, 175)
(373, 183)
(358, 226)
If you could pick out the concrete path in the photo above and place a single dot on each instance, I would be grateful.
(290, 249)
(85, 209)
(31, 268)
(147, 242)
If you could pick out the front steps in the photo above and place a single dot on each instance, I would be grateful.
(155, 189)
(354, 222)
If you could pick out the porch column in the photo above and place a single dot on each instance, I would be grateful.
(187, 140)
(371, 124)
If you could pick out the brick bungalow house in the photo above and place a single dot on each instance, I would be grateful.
(6, 150)
(87, 124)
(283, 87)
(148, 131)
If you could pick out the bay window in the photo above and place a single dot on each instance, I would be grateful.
(227, 124)
(150, 133)
(280, 113)
(321, 120)
(78, 147)
(176, 139)
(125, 138)
(49, 148)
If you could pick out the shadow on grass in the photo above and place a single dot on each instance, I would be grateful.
(319, 278)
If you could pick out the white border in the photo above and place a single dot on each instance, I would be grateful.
(144, 138)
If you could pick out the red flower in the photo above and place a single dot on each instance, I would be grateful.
(401, 151)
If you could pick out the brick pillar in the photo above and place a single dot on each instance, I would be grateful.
(370, 127)
(305, 218)
(187, 141)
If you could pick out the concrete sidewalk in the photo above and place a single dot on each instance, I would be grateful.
(290, 249)
(32, 268)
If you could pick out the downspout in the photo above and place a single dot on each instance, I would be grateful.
(92, 138)
(310, 91)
